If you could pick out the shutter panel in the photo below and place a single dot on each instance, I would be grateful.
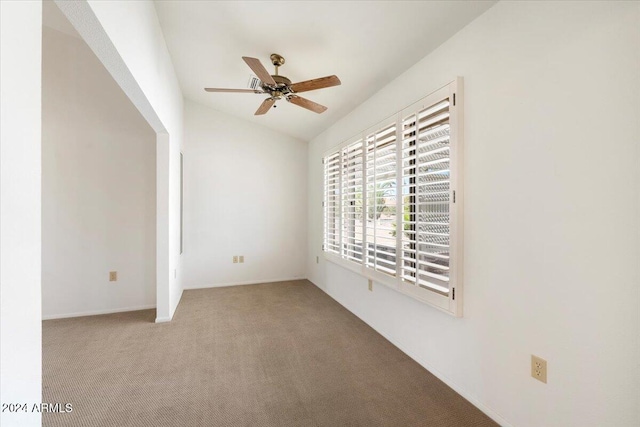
(331, 203)
(390, 208)
(426, 197)
(381, 178)
(352, 171)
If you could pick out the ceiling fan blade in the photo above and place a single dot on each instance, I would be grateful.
(314, 84)
(215, 89)
(260, 71)
(265, 106)
(305, 103)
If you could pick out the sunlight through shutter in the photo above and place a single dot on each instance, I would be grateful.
(381, 200)
(426, 197)
(331, 203)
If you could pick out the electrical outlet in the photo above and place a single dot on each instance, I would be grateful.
(235, 259)
(113, 276)
(371, 285)
(317, 260)
(241, 259)
(175, 273)
(539, 368)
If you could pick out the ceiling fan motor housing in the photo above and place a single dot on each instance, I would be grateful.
(282, 87)
(282, 80)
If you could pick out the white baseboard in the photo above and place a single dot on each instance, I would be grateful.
(250, 282)
(420, 360)
(97, 312)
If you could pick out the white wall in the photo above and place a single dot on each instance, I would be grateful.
(20, 297)
(552, 215)
(128, 40)
(244, 194)
(98, 187)
(134, 29)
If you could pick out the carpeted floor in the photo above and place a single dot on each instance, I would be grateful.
(277, 354)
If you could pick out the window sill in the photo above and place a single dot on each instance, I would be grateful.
(442, 302)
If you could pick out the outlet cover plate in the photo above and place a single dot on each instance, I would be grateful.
(539, 368)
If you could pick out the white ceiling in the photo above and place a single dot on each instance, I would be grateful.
(366, 44)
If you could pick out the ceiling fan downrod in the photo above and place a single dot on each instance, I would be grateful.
(277, 61)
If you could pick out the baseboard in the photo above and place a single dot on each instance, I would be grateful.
(250, 282)
(98, 312)
(457, 388)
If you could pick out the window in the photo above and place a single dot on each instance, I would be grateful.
(393, 201)
(351, 166)
(381, 200)
(331, 203)
(426, 190)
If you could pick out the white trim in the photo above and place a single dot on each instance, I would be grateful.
(98, 312)
(249, 282)
(163, 319)
(491, 413)
(456, 219)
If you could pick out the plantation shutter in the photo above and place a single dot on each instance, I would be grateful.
(381, 200)
(352, 201)
(426, 200)
(331, 203)
(390, 208)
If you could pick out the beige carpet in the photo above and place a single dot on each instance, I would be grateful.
(278, 354)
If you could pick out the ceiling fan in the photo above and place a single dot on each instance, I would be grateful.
(278, 87)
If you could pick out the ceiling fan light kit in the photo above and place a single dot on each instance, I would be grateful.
(278, 87)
